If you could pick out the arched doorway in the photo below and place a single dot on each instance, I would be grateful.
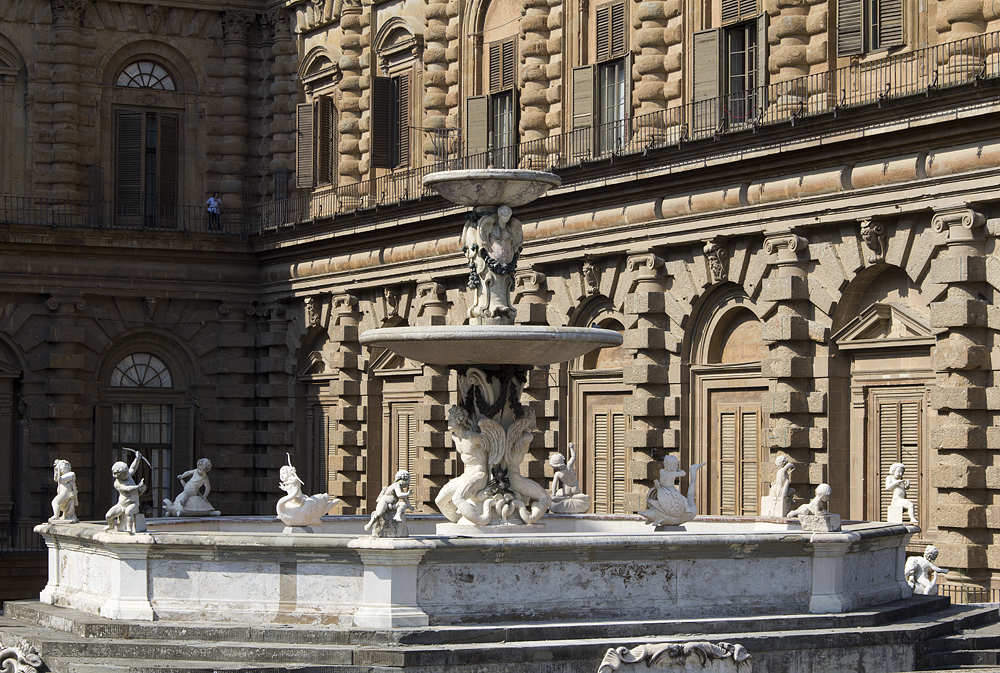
(727, 416)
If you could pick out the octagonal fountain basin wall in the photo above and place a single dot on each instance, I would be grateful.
(571, 568)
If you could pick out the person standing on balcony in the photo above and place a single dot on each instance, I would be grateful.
(214, 205)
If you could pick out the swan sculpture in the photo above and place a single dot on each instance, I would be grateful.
(667, 507)
(297, 510)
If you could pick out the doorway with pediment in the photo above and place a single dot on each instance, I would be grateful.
(880, 378)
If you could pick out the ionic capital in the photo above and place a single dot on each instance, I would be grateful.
(960, 223)
(787, 245)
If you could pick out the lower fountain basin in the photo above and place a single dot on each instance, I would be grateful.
(529, 345)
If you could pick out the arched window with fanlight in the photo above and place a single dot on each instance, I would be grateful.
(143, 414)
(147, 146)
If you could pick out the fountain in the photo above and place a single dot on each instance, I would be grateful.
(495, 559)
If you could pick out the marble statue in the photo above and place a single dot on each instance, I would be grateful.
(921, 573)
(193, 500)
(21, 657)
(667, 507)
(301, 511)
(895, 483)
(472, 496)
(491, 241)
(815, 515)
(696, 657)
(127, 508)
(67, 498)
(778, 501)
(389, 517)
(565, 489)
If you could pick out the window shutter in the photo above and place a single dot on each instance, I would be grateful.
(603, 33)
(617, 30)
(167, 174)
(738, 10)
(128, 162)
(324, 140)
(496, 66)
(909, 446)
(619, 463)
(849, 27)
(727, 460)
(601, 503)
(304, 145)
(707, 79)
(509, 68)
(182, 449)
(749, 469)
(583, 96)
(476, 126)
(890, 23)
(381, 129)
(762, 51)
(101, 495)
(888, 450)
(403, 87)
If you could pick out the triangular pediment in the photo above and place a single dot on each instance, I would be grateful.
(885, 324)
(319, 364)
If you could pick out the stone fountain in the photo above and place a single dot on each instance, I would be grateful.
(490, 427)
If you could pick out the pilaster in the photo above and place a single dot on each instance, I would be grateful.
(441, 75)
(273, 415)
(347, 439)
(64, 174)
(235, 110)
(540, 62)
(283, 98)
(354, 86)
(658, 64)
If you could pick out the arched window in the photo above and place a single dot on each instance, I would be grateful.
(141, 370)
(146, 75)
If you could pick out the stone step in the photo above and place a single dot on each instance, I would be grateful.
(958, 659)
(147, 666)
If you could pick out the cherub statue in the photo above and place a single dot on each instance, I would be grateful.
(297, 510)
(780, 487)
(390, 507)
(667, 507)
(818, 506)
(921, 573)
(894, 482)
(193, 500)
(128, 495)
(66, 500)
(565, 490)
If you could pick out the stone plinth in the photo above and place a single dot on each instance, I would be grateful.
(778, 507)
(894, 514)
(389, 599)
(826, 523)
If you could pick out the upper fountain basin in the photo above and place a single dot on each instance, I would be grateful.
(491, 186)
(532, 345)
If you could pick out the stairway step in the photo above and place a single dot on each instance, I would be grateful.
(958, 658)
(149, 666)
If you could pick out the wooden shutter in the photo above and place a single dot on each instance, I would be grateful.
(762, 50)
(707, 79)
(101, 490)
(890, 23)
(476, 126)
(617, 31)
(749, 467)
(403, 120)
(325, 133)
(304, 146)
(738, 10)
(603, 32)
(583, 96)
(405, 430)
(619, 463)
(509, 68)
(602, 503)
(382, 120)
(128, 162)
(182, 448)
(167, 173)
(502, 66)
(909, 446)
(899, 429)
(727, 462)
(850, 27)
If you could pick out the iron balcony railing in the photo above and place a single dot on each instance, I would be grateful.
(20, 538)
(872, 81)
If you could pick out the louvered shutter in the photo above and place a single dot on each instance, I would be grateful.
(182, 449)
(909, 446)
(509, 67)
(850, 27)
(476, 127)
(619, 463)
(128, 162)
(304, 146)
(325, 132)
(167, 170)
(382, 121)
(603, 33)
(496, 66)
(727, 462)
(738, 10)
(899, 431)
(762, 72)
(890, 23)
(403, 120)
(749, 467)
(707, 79)
(602, 504)
(617, 31)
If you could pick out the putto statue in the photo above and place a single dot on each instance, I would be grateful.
(389, 517)
(127, 507)
(193, 500)
(301, 511)
(894, 482)
(565, 490)
(492, 241)
(667, 507)
(921, 573)
(778, 501)
(815, 515)
(66, 500)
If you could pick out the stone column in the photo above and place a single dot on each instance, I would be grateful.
(284, 95)
(957, 22)
(541, 390)
(797, 427)
(538, 68)
(64, 175)
(439, 463)
(347, 440)
(235, 111)
(441, 74)
(658, 65)
(352, 86)
(654, 404)
(961, 360)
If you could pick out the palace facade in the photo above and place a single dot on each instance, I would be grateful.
(789, 208)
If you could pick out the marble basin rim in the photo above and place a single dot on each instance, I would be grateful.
(528, 345)
(491, 186)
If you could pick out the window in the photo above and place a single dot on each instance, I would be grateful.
(141, 370)
(391, 121)
(601, 91)
(146, 75)
(868, 25)
(315, 143)
(491, 120)
(739, 467)
(730, 71)
(146, 168)
(897, 437)
(608, 423)
(741, 83)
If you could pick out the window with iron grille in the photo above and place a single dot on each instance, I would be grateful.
(868, 25)
(730, 73)
(147, 145)
(491, 120)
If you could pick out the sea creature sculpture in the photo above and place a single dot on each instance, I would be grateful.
(297, 510)
(667, 507)
(67, 498)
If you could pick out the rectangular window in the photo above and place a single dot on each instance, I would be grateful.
(147, 148)
(897, 438)
(868, 25)
(740, 104)
(148, 429)
(612, 106)
(316, 143)
(491, 119)
(739, 465)
(391, 121)
(730, 76)
(503, 144)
